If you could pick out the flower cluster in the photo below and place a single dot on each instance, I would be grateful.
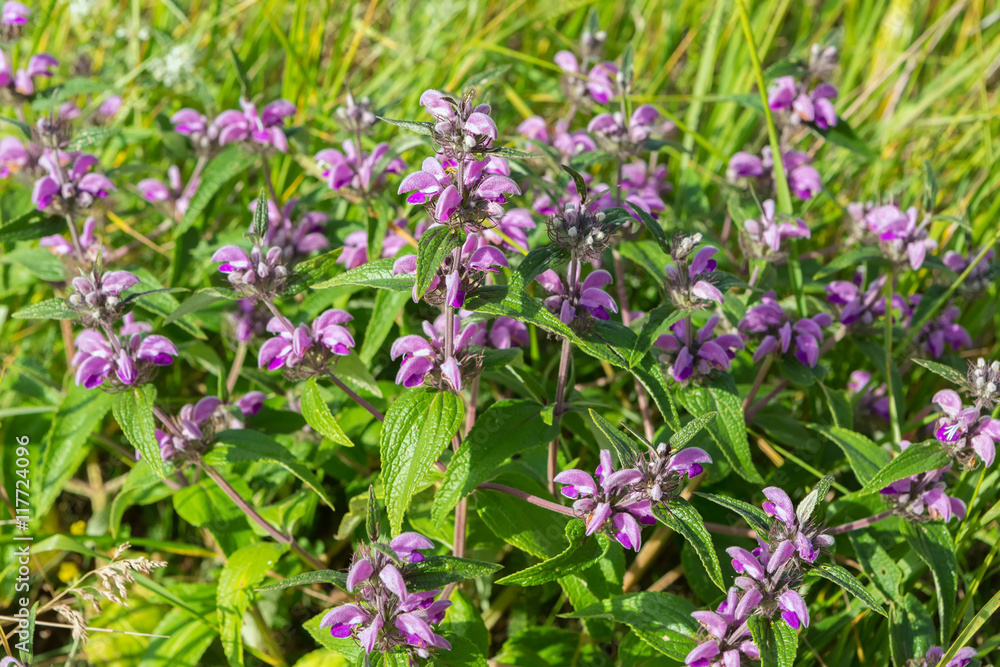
(97, 296)
(803, 179)
(566, 142)
(363, 173)
(871, 400)
(770, 319)
(978, 280)
(578, 302)
(306, 349)
(296, 239)
(686, 355)
(689, 283)
(127, 358)
(190, 432)
(983, 383)
(58, 245)
(72, 190)
(424, 361)
(903, 238)
(859, 306)
(20, 84)
(583, 230)
(13, 17)
(764, 236)
(664, 473)
(611, 131)
(174, 192)
(964, 431)
(260, 129)
(386, 616)
(259, 274)
(942, 331)
(935, 654)
(809, 99)
(923, 494)
(356, 244)
(454, 281)
(728, 640)
(599, 82)
(615, 502)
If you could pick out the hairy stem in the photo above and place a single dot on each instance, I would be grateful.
(553, 462)
(859, 524)
(357, 399)
(534, 500)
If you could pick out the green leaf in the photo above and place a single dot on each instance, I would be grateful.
(652, 225)
(312, 270)
(24, 127)
(261, 223)
(39, 262)
(142, 486)
(384, 312)
(911, 629)
(419, 126)
(840, 407)
(50, 309)
(662, 620)
(80, 413)
(377, 274)
(463, 653)
(950, 374)
(849, 260)
(134, 413)
(528, 527)
(373, 517)
(754, 516)
(28, 654)
(865, 457)
(244, 569)
(187, 639)
(244, 446)
(628, 452)
(505, 428)
(808, 504)
(689, 430)
(776, 641)
(876, 563)
(684, 519)
(847, 581)
(433, 249)
(89, 137)
(32, 225)
(347, 646)
(933, 543)
(332, 577)
(656, 323)
(417, 428)
(512, 152)
(843, 135)
(729, 429)
(581, 553)
(223, 168)
(915, 459)
(317, 414)
(203, 298)
(581, 185)
(439, 571)
(241, 74)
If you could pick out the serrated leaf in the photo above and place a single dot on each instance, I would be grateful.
(373, 517)
(755, 516)
(581, 185)
(528, 527)
(652, 225)
(953, 376)
(89, 137)
(244, 446)
(684, 519)
(481, 80)
(776, 641)
(808, 504)
(933, 543)
(847, 581)
(512, 152)
(417, 428)
(220, 170)
(628, 452)
(689, 430)
(134, 413)
(505, 428)
(50, 309)
(865, 457)
(911, 629)
(317, 414)
(439, 571)
(419, 126)
(581, 553)
(433, 248)
(244, 569)
(32, 225)
(332, 577)
(201, 299)
(261, 223)
(915, 459)
(312, 270)
(377, 274)
(656, 323)
(384, 312)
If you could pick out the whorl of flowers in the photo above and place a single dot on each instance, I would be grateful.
(871, 400)
(687, 355)
(97, 296)
(583, 230)
(306, 350)
(782, 334)
(935, 654)
(803, 179)
(262, 129)
(13, 17)
(983, 383)
(599, 82)
(664, 473)
(615, 503)
(460, 127)
(568, 143)
(903, 238)
(19, 85)
(764, 236)
(728, 642)
(361, 172)
(964, 431)
(976, 282)
(424, 362)
(611, 131)
(259, 274)
(297, 237)
(124, 359)
(922, 497)
(941, 331)
(795, 525)
(385, 616)
(68, 191)
(810, 98)
(689, 282)
(203, 133)
(174, 192)
(355, 251)
(356, 116)
(859, 306)
(576, 303)
(191, 431)
(454, 282)
(59, 245)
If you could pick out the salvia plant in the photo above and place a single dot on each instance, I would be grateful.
(499, 335)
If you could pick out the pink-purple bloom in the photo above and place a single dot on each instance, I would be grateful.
(356, 244)
(589, 301)
(247, 125)
(129, 361)
(600, 80)
(362, 172)
(803, 179)
(59, 245)
(75, 188)
(689, 284)
(862, 306)
(424, 361)
(942, 331)
(782, 333)
(22, 81)
(923, 494)
(687, 355)
(173, 192)
(728, 643)
(766, 234)
(801, 105)
(299, 237)
(964, 431)
(309, 346)
(456, 281)
(935, 655)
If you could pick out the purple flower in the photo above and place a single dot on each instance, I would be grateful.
(310, 346)
(871, 401)
(174, 191)
(935, 654)
(599, 83)
(77, 188)
(803, 179)
(979, 277)
(862, 306)
(664, 473)
(461, 127)
(512, 230)
(507, 332)
(921, 494)
(14, 13)
(57, 243)
(356, 244)
(110, 107)
(247, 125)
(362, 172)
(249, 320)
(644, 187)
(963, 432)
(686, 356)
(296, 239)
(801, 105)
(942, 331)
(689, 284)
(251, 403)
(13, 156)
(793, 528)
(590, 300)
(423, 360)
(773, 573)
(22, 82)
(456, 282)
(610, 503)
(766, 234)
(903, 238)
(97, 296)
(130, 360)
(258, 274)
(610, 130)
(769, 318)
(568, 143)
(728, 632)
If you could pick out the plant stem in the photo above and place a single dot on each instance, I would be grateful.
(534, 500)
(357, 399)
(859, 524)
(893, 406)
(758, 381)
(640, 392)
(767, 399)
(564, 359)
(270, 183)
(248, 509)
